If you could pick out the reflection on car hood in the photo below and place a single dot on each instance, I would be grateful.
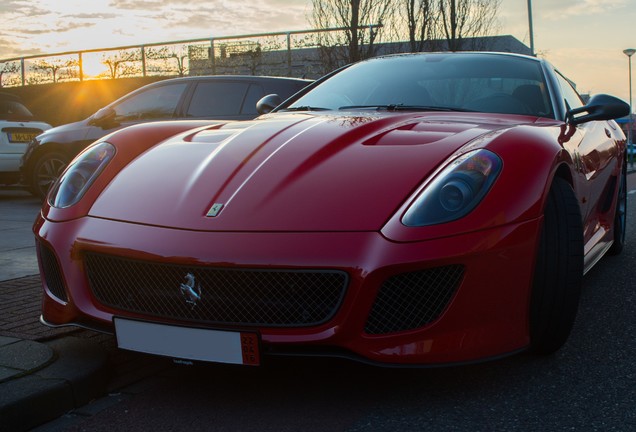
(71, 131)
(289, 172)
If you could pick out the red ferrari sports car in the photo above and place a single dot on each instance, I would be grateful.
(416, 209)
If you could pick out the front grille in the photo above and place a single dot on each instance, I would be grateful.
(411, 300)
(52, 273)
(225, 295)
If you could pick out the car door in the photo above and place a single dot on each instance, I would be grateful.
(594, 152)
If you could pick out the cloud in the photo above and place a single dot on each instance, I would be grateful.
(9, 48)
(139, 4)
(58, 28)
(232, 18)
(90, 16)
(54, 25)
(573, 8)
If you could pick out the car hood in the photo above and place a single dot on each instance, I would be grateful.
(289, 172)
(70, 131)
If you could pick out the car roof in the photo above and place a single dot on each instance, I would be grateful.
(9, 97)
(248, 78)
(458, 53)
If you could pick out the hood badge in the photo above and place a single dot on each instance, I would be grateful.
(214, 210)
(191, 290)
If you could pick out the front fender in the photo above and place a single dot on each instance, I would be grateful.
(531, 154)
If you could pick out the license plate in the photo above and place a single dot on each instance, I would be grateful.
(21, 137)
(188, 342)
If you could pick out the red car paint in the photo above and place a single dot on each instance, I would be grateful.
(327, 191)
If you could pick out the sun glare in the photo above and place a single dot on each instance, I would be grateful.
(92, 66)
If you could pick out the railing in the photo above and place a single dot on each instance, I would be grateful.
(280, 52)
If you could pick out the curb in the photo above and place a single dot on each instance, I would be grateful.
(67, 373)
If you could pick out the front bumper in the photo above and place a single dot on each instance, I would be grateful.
(486, 316)
(10, 162)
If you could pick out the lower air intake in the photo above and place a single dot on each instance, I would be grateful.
(52, 273)
(411, 300)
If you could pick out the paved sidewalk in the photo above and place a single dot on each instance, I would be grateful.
(45, 373)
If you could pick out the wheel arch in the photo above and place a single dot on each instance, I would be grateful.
(42, 149)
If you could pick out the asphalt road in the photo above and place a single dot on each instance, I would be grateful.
(588, 385)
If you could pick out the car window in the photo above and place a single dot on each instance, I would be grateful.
(217, 99)
(255, 93)
(570, 95)
(155, 103)
(13, 110)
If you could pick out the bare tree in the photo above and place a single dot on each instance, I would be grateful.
(124, 63)
(421, 20)
(8, 68)
(54, 67)
(354, 15)
(461, 19)
(173, 54)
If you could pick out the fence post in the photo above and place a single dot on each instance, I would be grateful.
(81, 67)
(212, 55)
(23, 71)
(289, 55)
(143, 60)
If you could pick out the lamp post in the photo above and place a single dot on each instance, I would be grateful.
(629, 53)
(531, 27)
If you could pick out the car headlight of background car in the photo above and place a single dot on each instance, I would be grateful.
(79, 176)
(456, 191)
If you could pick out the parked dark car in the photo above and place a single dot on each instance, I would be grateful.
(17, 128)
(191, 98)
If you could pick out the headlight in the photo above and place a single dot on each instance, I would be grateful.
(78, 177)
(456, 191)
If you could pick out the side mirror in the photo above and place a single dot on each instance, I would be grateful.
(267, 103)
(600, 107)
(103, 117)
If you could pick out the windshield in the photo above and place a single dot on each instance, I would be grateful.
(466, 82)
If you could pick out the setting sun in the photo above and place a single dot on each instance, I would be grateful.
(92, 66)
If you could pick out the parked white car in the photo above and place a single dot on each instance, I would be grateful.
(17, 129)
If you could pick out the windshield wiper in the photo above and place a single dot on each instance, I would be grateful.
(305, 108)
(402, 107)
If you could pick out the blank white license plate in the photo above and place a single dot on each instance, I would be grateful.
(187, 342)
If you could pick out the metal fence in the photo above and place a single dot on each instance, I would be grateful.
(291, 53)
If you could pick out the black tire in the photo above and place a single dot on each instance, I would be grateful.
(46, 170)
(559, 271)
(620, 216)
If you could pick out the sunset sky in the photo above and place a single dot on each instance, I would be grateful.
(583, 38)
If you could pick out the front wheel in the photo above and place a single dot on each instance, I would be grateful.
(558, 271)
(46, 170)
